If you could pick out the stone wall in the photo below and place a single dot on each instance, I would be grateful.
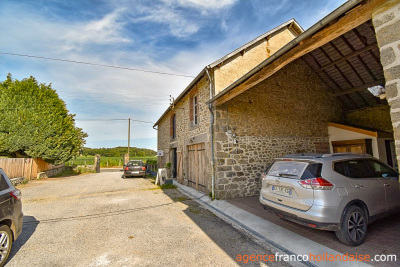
(386, 21)
(163, 140)
(186, 132)
(287, 113)
(377, 117)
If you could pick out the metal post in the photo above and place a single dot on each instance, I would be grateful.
(129, 137)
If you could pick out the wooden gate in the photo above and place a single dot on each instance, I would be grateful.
(197, 175)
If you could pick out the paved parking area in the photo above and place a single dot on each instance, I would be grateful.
(383, 235)
(103, 220)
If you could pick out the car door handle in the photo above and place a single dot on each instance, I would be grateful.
(358, 186)
(386, 184)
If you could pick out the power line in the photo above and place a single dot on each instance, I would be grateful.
(113, 120)
(98, 65)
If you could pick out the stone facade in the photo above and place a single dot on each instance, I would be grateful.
(186, 132)
(386, 21)
(286, 113)
(377, 118)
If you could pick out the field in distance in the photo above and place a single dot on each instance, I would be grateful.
(108, 162)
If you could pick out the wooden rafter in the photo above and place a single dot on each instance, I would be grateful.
(347, 57)
(347, 22)
(359, 88)
(360, 37)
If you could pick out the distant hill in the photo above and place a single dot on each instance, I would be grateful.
(118, 152)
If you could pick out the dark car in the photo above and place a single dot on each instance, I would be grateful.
(11, 216)
(134, 168)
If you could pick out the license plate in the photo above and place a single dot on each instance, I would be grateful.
(280, 189)
(134, 172)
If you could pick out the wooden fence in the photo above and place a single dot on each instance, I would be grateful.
(24, 167)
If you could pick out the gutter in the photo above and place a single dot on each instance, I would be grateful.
(211, 138)
(312, 30)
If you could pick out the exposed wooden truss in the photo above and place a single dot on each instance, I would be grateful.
(365, 53)
(350, 64)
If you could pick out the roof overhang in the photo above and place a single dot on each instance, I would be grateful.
(348, 16)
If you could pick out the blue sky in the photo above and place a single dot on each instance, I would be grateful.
(173, 36)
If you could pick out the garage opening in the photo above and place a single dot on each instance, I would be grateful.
(350, 66)
(318, 103)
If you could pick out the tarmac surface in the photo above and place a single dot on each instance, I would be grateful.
(104, 220)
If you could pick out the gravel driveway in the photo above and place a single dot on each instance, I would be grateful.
(103, 220)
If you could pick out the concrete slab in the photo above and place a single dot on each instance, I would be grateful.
(283, 240)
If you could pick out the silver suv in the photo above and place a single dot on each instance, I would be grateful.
(334, 192)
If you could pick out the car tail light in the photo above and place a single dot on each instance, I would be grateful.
(16, 194)
(143, 168)
(263, 175)
(126, 168)
(312, 225)
(316, 183)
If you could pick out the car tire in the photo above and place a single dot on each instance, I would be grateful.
(353, 228)
(6, 241)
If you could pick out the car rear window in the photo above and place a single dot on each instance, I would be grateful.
(288, 168)
(313, 170)
(3, 183)
(339, 168)
(134, 163)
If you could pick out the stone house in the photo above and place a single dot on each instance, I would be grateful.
(311, 96)
(184, 133)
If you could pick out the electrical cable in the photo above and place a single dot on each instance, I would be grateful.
(96, 64)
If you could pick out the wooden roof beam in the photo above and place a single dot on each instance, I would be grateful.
(349, 21)
(359, 88)
(347, 57)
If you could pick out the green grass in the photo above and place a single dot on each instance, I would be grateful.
(168, 186)
(74, 171)
(104, 161)
(67, 172)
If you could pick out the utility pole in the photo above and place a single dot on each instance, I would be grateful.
(129, 136)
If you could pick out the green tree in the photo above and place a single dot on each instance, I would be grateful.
(34, 122)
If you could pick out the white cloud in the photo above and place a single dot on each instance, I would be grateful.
(204, 4)
(178, 25)
(107, 30)
(97, 92)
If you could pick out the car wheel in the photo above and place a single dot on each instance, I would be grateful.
(6, 241)
(353, 227)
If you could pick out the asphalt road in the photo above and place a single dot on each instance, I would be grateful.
(104, 220)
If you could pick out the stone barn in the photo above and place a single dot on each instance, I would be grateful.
(333, 88)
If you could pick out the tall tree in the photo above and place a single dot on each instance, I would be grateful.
(34, 122)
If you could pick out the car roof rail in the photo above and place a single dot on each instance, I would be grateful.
(344, 154)
(304, 155)
(317, 155)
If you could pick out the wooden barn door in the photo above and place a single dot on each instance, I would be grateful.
(196, 175)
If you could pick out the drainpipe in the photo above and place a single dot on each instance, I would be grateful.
(211, 138)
